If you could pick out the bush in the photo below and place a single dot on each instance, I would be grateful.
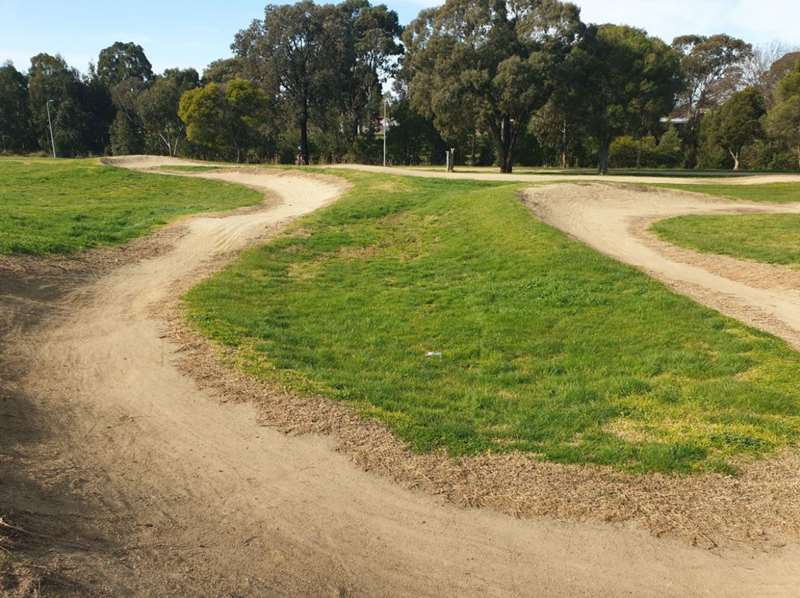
(627, 152)
(669, 153)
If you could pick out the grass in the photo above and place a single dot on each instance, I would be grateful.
(59, 207)
(546, 347)
(769, 193)
(770, 238)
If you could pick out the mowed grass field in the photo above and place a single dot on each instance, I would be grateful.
(769, 238)
(58, 207)
(447, 311)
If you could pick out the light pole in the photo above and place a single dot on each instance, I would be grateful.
(385, 128)
(50, 123)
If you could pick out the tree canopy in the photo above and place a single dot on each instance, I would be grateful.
(225, 119)
(122, 61)
(737, 123)
(783, 121)
(617, 80)
(15, 116)
(321, 62)
(488, 65)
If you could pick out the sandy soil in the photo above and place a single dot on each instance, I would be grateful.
(549, 178)
(168, 491)
(615, 221)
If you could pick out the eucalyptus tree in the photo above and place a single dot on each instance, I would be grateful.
(783, 120)
(488, 64)
(15, 114)
(51, 81)
(714, 68)
(323, 63)
(157, 107)
(618, 80)
(737, 123)
(367, 39)
(122, 61)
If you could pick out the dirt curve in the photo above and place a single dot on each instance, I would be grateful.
(188, 496)
(615, 221)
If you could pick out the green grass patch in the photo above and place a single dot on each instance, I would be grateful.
(769, 193)
(56, 207)
(546, 346)
(770, 238)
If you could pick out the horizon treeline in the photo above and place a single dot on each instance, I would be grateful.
(503, 83)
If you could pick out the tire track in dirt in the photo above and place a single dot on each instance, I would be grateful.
(193, 497)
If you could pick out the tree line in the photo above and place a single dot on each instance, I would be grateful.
(504, 82)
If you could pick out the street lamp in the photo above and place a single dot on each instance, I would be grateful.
(50, 123)
(385, 128)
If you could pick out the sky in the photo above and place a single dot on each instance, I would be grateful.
(192, 33)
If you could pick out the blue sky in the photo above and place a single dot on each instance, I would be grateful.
(194, 32)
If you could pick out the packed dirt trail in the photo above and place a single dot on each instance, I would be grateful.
(190, 496)
(615, 221)
(465, 173)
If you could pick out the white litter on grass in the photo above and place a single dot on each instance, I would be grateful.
(433, 354)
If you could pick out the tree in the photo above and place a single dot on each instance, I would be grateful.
(158, 106)
(123, 61)
(324, 63)
(223, 70)
(488, 64)
(248, 108)
(15, 116)
(367, 40)
(51, 80)
(123, 68)
(284, 52)
(783, 120)
(714, 68)
(225, 119)
(127, 130)
(737, 123)
(620, 81)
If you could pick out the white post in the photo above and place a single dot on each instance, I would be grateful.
(50, 123)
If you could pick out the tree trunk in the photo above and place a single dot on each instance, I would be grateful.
(638, 153)
(304, 153)
(735, 156)
(505, 146)
(602, 166)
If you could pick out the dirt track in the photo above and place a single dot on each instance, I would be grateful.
(466, 174)
(179, 494)
(615, 221)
